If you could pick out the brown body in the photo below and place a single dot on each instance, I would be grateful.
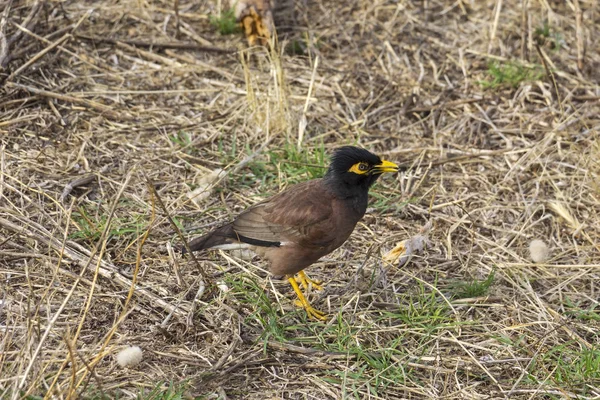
(293, 229)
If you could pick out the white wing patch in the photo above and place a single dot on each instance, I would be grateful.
(242, 246)
(232, 246)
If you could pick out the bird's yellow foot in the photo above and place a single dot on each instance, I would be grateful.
(302, 302)
(311, 311)
(304, 280)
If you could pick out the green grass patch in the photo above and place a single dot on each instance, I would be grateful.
(519, 343)
(374, 366)
(546, 33)
(181, 138)
(265, 311)
(162, 391)
(226, 24)
(303, 164)
(377, 350)
(372, 373)
(568, 366)
(300, 47)
(474, 288)
(510, 74)
(91, 220)
(288, 165)
(296, 48)
(575, 310)
(424, 311)
(159, 392)
(228, 148)
(6, 394)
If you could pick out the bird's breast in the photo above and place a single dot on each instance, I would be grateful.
(346, 215)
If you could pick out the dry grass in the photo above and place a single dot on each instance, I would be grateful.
(89, 268)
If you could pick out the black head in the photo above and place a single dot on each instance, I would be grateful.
(355, 167)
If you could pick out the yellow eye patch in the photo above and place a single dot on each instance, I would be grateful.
(360, 168)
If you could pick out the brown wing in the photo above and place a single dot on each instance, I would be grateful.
(301, 214)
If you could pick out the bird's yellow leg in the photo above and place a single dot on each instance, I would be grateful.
(304, 280)
(302, 302)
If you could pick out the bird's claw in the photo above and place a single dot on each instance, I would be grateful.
(311, 311)
(304, 280)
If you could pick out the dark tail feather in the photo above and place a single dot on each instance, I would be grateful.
(222, 235)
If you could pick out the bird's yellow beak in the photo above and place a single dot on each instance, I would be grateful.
(385, 166)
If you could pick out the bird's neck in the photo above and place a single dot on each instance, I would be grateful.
(356, 195)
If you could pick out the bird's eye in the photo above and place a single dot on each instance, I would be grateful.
(360, 168)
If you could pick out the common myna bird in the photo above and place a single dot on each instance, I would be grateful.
(296, 227)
